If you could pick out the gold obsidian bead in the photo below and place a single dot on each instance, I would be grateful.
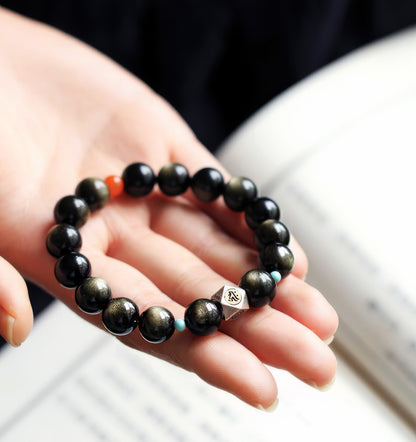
(203, 316)
(62, 239)
(71, 210)
(93, 295)
(260, 210)
(259, 286)
(271, 231)
(121, 316)
(139, 179)
(239, 192)
(277, 257)
(94, 191)
(173, 179)
(71, 269)
(156, 324)
(207, 184)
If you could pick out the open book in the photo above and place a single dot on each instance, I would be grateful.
(334, 152)
(338, 153)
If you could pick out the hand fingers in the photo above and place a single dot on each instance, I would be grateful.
(280, 341)
(184, 277)
(213, 358)
(192, 154)
(16, 317)
(234, 224)
(201, 235)
(304, 303)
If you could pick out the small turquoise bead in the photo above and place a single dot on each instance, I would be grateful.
(180, 325)
(276, 276)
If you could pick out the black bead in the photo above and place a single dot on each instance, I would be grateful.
(259, 286)
(94, 191)
(71, 210)
(239, 192)
(203, 316)
(259, 210)
(121, 316)
(276, 256)
(156, 324)
(139, 179)
(92, 295)
(173, 179)
(207, 184)
(72, 269)
(269, 231)
(62, 239)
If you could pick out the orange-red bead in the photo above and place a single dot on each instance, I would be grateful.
(115, 184)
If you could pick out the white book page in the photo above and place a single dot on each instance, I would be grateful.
(71, 381)
(339, 159)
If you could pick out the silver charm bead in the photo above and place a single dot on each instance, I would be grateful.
(233, 300)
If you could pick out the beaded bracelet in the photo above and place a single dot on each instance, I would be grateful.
(121, 316)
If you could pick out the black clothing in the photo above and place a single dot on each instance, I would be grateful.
(219, 61)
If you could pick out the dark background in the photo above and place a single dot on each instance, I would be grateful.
(218, 61)
(215, 61)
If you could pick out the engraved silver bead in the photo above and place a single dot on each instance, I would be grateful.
(233, 300)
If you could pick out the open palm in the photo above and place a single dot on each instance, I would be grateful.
(67, 113)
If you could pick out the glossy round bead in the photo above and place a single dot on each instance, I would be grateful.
(94, 191)
(276, 256)
(92, 295)
(115, 185)
(72, 269)
(156, 324)
(173, 179)
(121, 316)
(260, 210)
(269, 231)
(207, 184)
(203, 316)
(239, 192)
(62, 239)
(259, 286)
(71, 210)
(139, 179)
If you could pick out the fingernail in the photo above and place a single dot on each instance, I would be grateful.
(269, 409)
(6, 327)
(329, 340)
(325, 387)
(10, 326)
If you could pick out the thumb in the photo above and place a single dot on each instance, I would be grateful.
(16, 317)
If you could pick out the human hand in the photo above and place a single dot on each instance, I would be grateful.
(67, 113)
(16, 317)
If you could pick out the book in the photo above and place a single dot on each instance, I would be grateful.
(338, 152)
(71, 381)
(324, 150)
